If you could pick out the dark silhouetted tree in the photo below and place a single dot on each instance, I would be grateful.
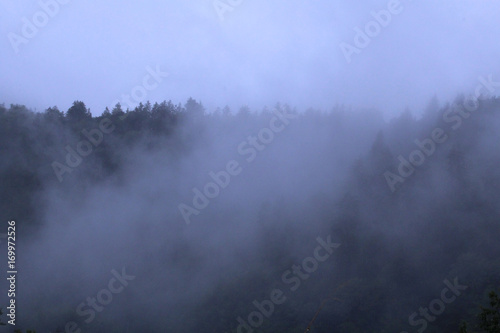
(78, 112)
(194, 108)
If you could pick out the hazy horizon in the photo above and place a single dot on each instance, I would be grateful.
(255, 53)
(352, 188)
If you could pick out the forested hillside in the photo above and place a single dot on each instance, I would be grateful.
(253, 220)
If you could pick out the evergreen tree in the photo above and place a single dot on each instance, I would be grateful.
(78, 112)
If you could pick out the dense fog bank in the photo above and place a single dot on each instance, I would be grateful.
(171, 218)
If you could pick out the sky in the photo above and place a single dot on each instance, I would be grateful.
(239, 52)
(119, 206)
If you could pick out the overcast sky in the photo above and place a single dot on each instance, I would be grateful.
(258, 53)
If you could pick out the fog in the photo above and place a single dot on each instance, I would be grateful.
(262, 171)
(135, 221)
(255, 53)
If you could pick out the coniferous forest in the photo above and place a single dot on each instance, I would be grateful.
(173, 218)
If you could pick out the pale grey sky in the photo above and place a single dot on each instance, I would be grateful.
(260, 53)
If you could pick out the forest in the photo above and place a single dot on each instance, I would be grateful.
(173, 218)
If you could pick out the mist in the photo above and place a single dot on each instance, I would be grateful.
(233, 166)
(246, 53)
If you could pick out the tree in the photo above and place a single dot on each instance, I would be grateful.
(244, 112)
(162, 116)
(147, 107)
(380, 155)
(194, 108)
(78, 112)
(117, 110)
(226, 111)
(431, 111)
(106, 113)
(53, 114)
(489, 318)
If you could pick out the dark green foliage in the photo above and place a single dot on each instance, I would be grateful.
(78, 113)
(377, 280)
(489, 318)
